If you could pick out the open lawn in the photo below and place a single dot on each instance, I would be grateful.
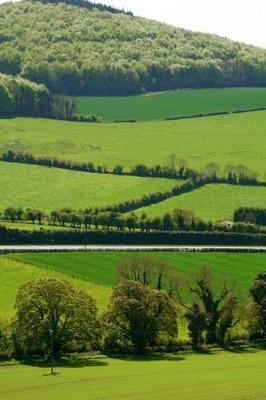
(52, 188)
(230, 139)
(156, 106)
(218, 375)
(14, 273)
(213, 202)
(100, 268)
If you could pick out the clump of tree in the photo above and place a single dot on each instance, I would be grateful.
(250, 215)
(19, 96)
(214, 309)
(258, 306)
(137, 316)
(52, 313)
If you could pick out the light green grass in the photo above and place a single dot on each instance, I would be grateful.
(219, 376)
(214, 202)
(230, 139)
(100, 268)
(29, 226)
(173, 103)
(52, 188)
(14, 273)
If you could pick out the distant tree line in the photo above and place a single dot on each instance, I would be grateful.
(54, 318)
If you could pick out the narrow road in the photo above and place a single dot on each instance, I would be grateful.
(127, 248)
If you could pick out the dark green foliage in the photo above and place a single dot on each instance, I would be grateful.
(137, 316)
(250, 215)
(79, 49)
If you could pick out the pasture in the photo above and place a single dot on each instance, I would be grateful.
(156, 106)
(222, 375)
(215, 202)
(229, 139)
(53, 188)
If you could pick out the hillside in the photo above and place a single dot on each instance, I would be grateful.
(76, 50)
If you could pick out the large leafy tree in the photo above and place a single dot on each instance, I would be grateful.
(54, 307)
(258, 292)
(138, 315)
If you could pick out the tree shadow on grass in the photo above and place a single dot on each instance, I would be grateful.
(69, 362)
(148, 357)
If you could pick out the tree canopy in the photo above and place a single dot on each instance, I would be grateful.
(79, 49)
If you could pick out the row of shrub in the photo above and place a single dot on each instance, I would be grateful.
(52, 317)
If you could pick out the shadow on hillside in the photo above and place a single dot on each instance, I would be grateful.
(68, 362)
(148, 357)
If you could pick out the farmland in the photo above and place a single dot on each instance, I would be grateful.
(156, 106)
(240, 376)
(230, 139)
(48, 189)
(223, 200)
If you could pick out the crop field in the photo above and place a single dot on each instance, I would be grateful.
(230, 139)
(215, 202)
(53, 188)
(157, 106)
(222, 375)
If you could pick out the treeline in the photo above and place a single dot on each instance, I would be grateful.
(81, 236)
(90, 5)
(54, 318)
(212, 114)
(19, 96)
(250, 215)
(134, 55)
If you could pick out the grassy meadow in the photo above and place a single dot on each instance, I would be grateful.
(53, 188)
(213, 202)
(155, 106)
(230, 139)
(218, 375)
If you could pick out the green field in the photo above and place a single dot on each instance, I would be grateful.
(14, 273)
(230, 139)
(53, 188)
(215, 202)
(100, 268)
(157, 106)
(219, 376)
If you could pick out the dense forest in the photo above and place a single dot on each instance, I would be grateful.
(83, 50)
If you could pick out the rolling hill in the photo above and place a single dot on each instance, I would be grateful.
(74, 49)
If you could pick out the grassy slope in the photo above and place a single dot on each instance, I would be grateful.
(14, 273)
(211, 202)
(181, 102)
(46, 188)
(218, 376)
(231, 139)
(99, 268)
